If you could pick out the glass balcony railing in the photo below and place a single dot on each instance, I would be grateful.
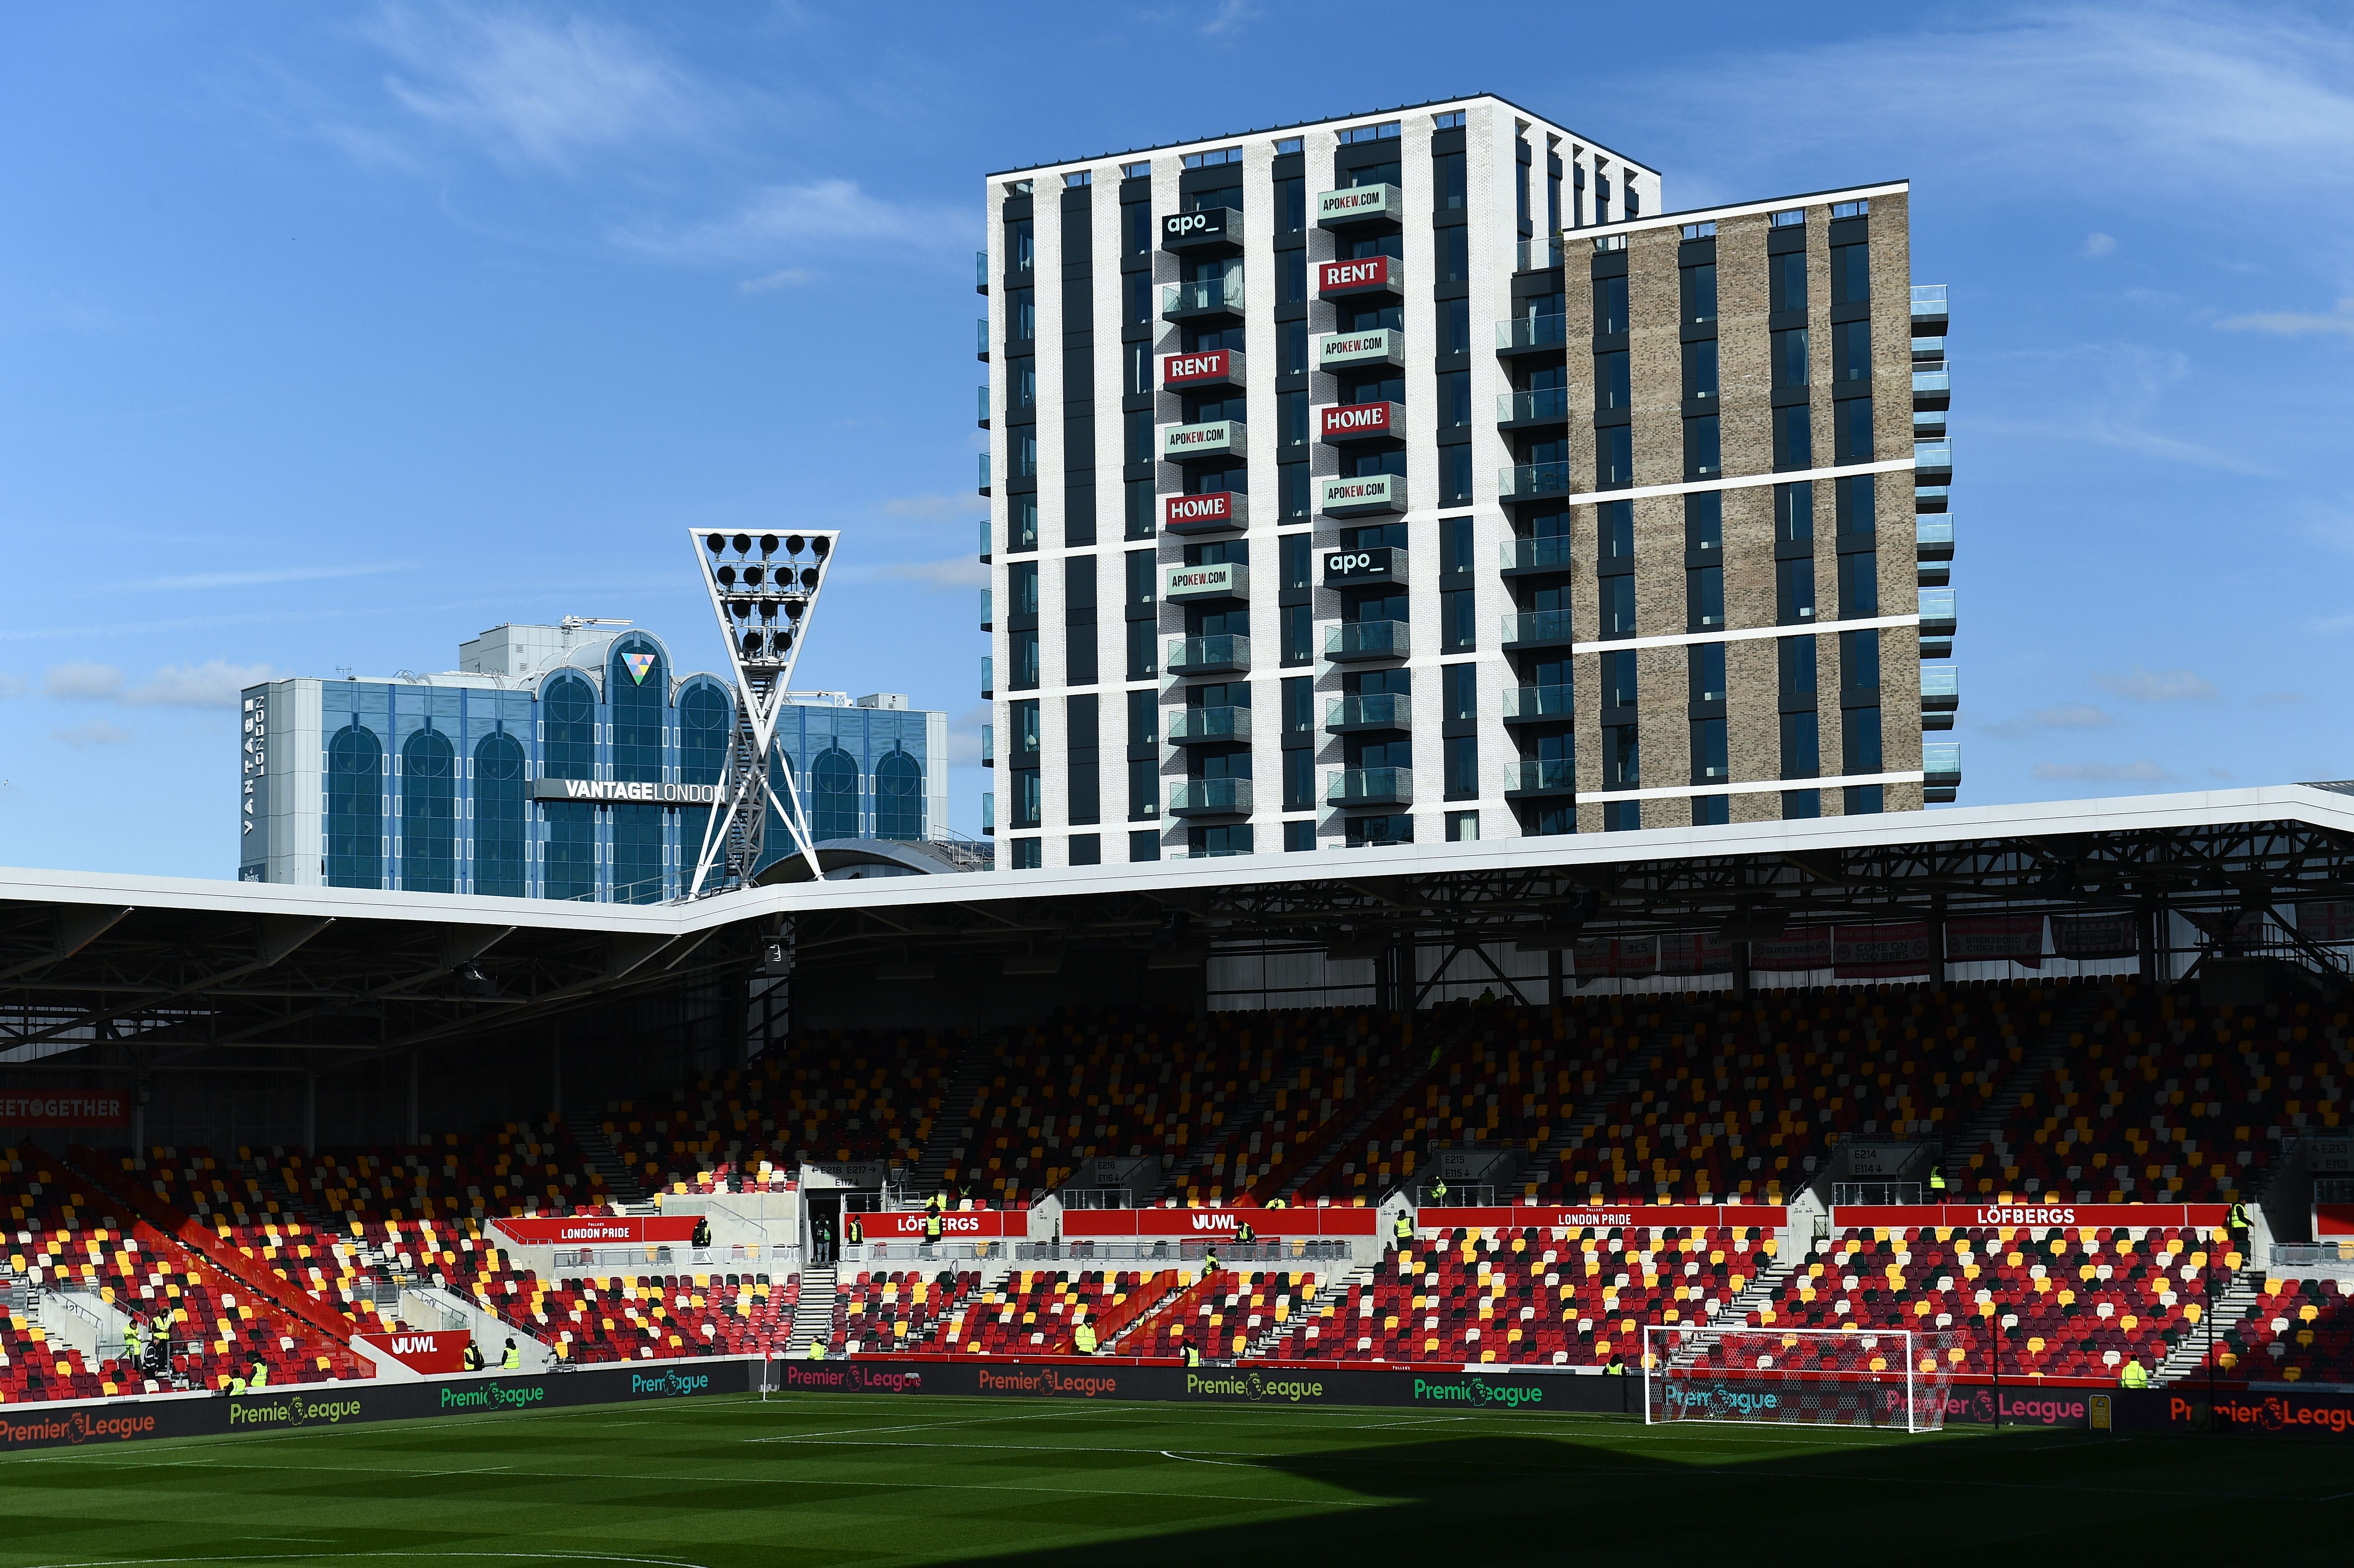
(981, 272)
(1554, 773)
(1929, 350)
(1933, 383)
(1370, 787)
(1928, 301)
(1933, 538)
(989, 745)
(1942, 761)
(988, 812)
(980, 337)
(1367, 640)
(1379, 710)
(986, 618)
(1941, 681)
(988, 676)
(1538, 627)
(984, 540)
(1227, 654)
(1933, 458)
(1553, 554)
(1529, 480)
(1528, 702)
(1199, 727)
(1938, 612)
(1537, 254)
(984, 473)
(1522, 334)
(1522, 408)
(1210, 296)
(1209, 798)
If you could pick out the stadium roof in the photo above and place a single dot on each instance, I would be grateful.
(88, 957)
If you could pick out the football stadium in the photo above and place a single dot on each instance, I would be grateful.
(1723, 1163)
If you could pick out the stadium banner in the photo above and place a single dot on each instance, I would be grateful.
(955, 1225)
(2330, 921)
(1987, 939)
(2333, 1219)
(598, 1230)
(1601, 1216)
(1806, 950)
(2275, 1412)
(2095, 936)
(1879, 952)
(1695, 955)
(441, 1350)
(1096, 1224)
(2031, 1216)
(64, 1108)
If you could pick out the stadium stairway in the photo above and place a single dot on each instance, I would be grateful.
(1246, 1113)
(1632, 1069)
(1336, 1137)
(952, 1132)
(1326, 1300)
(2189, 1356)
(814, 1312)
(597, 1148)
(2069, 1017)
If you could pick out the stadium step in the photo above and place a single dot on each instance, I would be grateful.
(814, 1312)
(1629, 1071)
(2074, 1010)
(2189, 1356)
(1201, 1156)
(1386, 1091)
(622, 1184)
(1334, 1291)
(953, 1128)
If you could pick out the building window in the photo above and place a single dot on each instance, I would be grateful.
(1020, 315)
(1027, 806)
(1291, 419)
(1299, 778)
(1454, 245)
(1292, 482)
(1793, 514)
(1712, 810)
(1455, 475)
(1851, 351)
(1619, 686)
(1462, 767)
(1454, 326)
(1449, 172)
(500, 815)
(1860, 661)
(898, 795)
(355, 806)
(1143, 791)
(1613, 531)
(1698, 294)
(1794, 591)
(1785, 282)
(1144, 846)
(1704, 598)
(1622, 758)
(1622, 816)
(429, 811)
(1138, 503)
(1290, 205)
(1788, 352)
(1292, 277)
(1794, 437)
(1852, 422)
(1299, 836)
(1462, 827)
(1291, 348)
(1704, 672)
(833, 795)
(1021, 523)
(1859, 586)
(1143, 651)
(1704, 457)
(705, 728)
(1850, 274)
(1086, 848)
(1859, 740)
(1795, 657)
(1700, 379)
(1458, 630)
(1801, 749)
(1617, 596)
(1710, 763)
(1801, 805)
(1459, 690)
(1022, 651)
(1609, 305)
(1086, 788)
(1612, 383)
(1855, 500)
(1027, 853)
(1298, 634)
(1614, 456)
(1454, 399)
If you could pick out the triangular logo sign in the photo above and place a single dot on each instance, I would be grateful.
(640, 663)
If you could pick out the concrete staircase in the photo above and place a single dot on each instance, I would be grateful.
(2074, 1013)
(1631, 1070)
(952, 1128)
(621, 1185)
(2188, 1357)
(1372, 1108)
(1335, 1291)
(813, 1313)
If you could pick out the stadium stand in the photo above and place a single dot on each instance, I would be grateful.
(898, 1309)
(2301, 1330)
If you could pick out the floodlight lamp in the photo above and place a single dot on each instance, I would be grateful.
(751, 645)
(794, 607)
(739, 607)
(793, 542)
(743, 544)
(752, 576)
(715, 543)
(726, 576)
(782, 642)
(768, 545)
(819, 546)
(767, 610)
(808, 577)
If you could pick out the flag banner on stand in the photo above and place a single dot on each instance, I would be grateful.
(1878, 952)
(1695, 955)
(1807, 950)
(1985, 938)
(2332, 921)
(2095, 936)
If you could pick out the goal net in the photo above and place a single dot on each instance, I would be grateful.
(1896, 1379)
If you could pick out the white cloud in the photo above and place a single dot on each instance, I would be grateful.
(84, 683)
(1229, 15)
(2142, 772)
(2292, 323)
(2143, 686)
(2100, 244)
(2129, 382)
(265, 575)
(783, 278)
(956, 572)
(537, 89)
(98, 732)
(791, 217)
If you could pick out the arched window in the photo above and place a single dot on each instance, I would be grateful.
(637, 688)
(704, 718)
(428, 813)
(569, 722)
(499, 816)
(898, 795)
(568, 728)
(833, 795)
(355, 809)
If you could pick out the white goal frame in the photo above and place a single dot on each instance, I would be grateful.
(1901, 1397)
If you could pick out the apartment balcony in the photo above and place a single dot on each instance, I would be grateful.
(981, 272)
(1209, 798)
(1928, 309)
(1537, 629)
(988, 676)
(1364, 641)
(988, 812)
(1533, 411)
(1541, 255)
(1941, 695)
(1931, 498)
(1532, 481)
(1221, 439)
(1363, 496)
(1537, 557)
(1540, 704)
(1209, 726)
(1211, 512)
(1933, 548)
(1342, 423)
(1933, 463)
(1362, 349)
(1938, 623)
(986, 558)
(1196, 372)
(1208, 584)
(1212, 228)
(1931, 388)
(987, 621)
(1533, 335)
(980, 335)
(1941, 769)
(1219, 299)
(1359, 277)
(1227, 654)
(985, 473)
(1557, 776)
(1381, 712)
(1370, 787)
(989, 745)
(1929, 352)
(1358, 206)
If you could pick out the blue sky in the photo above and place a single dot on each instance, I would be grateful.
(331, 335)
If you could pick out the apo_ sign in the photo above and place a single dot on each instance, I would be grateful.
(1181, 228)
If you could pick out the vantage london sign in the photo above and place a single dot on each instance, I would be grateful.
(614, 791)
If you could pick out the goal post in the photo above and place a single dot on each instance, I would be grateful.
(1890, 1379)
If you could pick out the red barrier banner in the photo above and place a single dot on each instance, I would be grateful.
(2033, 1216)
(1554, 1216)
(443, 1351)
(1881, 952)
(1211, 1224)
(1804, 950)
(65, 1108)
(955, 1225)
(598, 1230)
(1986, 938)
(2333, 1219)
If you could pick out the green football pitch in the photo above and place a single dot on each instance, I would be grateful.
(815, 1478)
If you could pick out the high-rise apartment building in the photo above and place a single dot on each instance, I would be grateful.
(1417, 476)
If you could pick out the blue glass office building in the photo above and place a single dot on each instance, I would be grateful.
(472, 780)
